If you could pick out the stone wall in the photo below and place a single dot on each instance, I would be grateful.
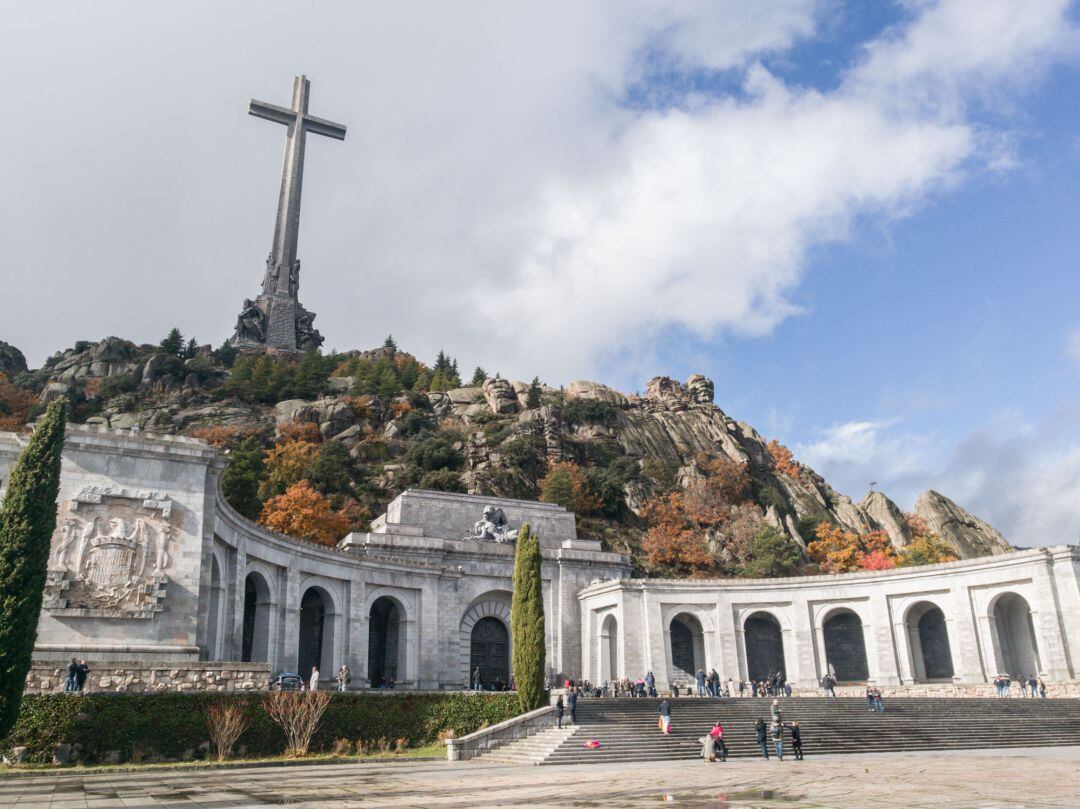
(1070, 688)
(135, 676)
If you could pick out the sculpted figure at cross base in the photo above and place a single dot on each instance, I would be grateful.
(493, 527)
(251, 324)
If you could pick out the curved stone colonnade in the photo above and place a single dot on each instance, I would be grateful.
(959, 622)
(396, 605)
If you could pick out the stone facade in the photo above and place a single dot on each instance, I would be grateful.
(958, 622)
(149, 564)
(135, 676)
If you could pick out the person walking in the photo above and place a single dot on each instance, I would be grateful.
(1033, 685)
(560, 709)
(742, 688)
(650, 683)
(759, 728)
(343, 677)
(731, 687)
(869, 699)
(787, 690)
(665, 716)
(775, 709)
(1042, 687)
(776, 731)
(796, 740)
(571, 706)
(700, 680)
(81, 673)
(1022, 683)
(72, 673)
(879, 706)
(313, 683)
(476, 679)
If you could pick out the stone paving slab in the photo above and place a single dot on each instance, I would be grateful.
(998, 779)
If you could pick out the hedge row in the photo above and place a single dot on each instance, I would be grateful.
(171, 726)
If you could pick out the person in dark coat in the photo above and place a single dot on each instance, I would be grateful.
(81, 673)
(796, 739)
(665, 716)
(560, 708)
(762, 739)
(571, 705)
(72, 673)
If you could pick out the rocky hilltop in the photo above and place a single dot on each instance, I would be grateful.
(405, 424)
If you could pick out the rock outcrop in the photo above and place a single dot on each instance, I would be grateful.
(884, 515)
(961, 530)
(12, 361)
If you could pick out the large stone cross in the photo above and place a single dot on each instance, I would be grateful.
(282, 268)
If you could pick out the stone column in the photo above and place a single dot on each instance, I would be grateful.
(235, 647)
(1049, 638)
(290, 607)
(422, 639)
(969, 638)
(799, 640)
(727, 648)
(1066, 581)
(880, 649)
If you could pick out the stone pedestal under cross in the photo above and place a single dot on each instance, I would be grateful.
(275, 319)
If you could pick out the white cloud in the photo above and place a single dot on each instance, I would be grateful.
(493, 197)
(1072, 344)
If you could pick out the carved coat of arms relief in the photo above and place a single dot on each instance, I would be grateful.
(111, 554)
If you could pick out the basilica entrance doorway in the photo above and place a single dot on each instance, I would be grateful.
(384, 642)
(490, 652)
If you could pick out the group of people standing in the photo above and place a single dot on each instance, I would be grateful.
(1030, 686)
(771, 736)
(77, 672)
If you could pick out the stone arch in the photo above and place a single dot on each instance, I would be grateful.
(609, 649)
(687, 644)
(764, 643)
(496, 606)
(928, 636)
(316, 632)
(387, 659)
(845, 645)
(1014, 635)
(258, 609)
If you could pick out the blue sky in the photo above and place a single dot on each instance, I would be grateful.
(859, 219)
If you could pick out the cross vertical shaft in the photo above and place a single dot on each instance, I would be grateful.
(276, 319)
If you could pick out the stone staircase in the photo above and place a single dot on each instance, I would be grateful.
(627, 728)
(532, 749)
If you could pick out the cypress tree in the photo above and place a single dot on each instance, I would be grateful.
(527, 621)
(27, 522)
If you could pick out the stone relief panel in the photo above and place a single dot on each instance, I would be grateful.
(110, 554)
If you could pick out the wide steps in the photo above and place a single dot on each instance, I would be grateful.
(627, 728)
(531, 749)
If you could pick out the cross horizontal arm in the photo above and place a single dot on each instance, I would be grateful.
(320, 126)
(271, 112)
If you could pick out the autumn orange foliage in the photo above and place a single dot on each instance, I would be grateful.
(223, 436)
(286, 464)
(566, 485)
(304, 513)
(672, 542)
(15, 404)
(782, 459)
(840, 551)
(298, 431)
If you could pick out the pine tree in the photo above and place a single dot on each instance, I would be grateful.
(173, 343)
(191, 349)
(527, 621)
(27, 522)
(389, 343)
(478, 377)
(240, 480)
(532, 398)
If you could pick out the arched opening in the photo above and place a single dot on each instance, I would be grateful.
(490, 653)
(1016, 636)
(687, 647)
(845, 648)
(764, 646)
(609, 649)
(255, 645)
(384, 642)
(931, 656)
(316, 647)
(213, 618)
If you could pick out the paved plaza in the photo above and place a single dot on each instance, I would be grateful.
(1028, 778)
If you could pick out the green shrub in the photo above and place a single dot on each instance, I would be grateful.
(170, 724)
(589, 411)
(434, 453)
